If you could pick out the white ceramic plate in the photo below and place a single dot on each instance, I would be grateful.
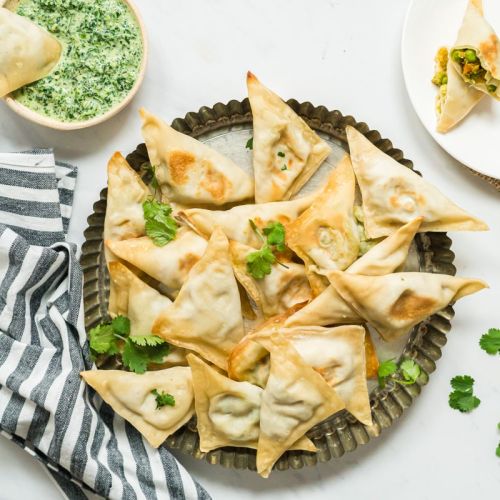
(431, 24)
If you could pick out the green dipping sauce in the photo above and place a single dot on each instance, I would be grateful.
(100, 61)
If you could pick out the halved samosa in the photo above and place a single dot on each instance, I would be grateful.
(228, 412)
(135, 398)
(286, 286)
(394, 303)
(124, 213)
(476, 53)
(286, 151)
(189, 171)
(169, 264)
(235, 222)
(393, 194)
(27, 52)
(206, 315)
(131, 297)
(326, 233)
(455, 99)
(329, 308)
(295, 399)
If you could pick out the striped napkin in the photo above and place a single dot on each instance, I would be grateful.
(44, 406)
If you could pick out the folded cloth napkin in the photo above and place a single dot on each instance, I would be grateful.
(44, 405)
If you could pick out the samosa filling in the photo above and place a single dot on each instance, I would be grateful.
(472, 70)
(441, 77)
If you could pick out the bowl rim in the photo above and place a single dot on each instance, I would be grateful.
(46, 121)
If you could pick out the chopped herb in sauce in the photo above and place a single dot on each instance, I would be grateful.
(281, 154)
(163, 399)
(249, 144)
(102, 54)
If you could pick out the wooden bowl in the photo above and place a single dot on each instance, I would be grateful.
(35, 117)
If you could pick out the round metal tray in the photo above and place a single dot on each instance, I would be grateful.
(341, 432)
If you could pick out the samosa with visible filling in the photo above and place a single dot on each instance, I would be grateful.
(475, 56)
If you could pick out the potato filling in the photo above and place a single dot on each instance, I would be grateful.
(441, 77)
(472, 70)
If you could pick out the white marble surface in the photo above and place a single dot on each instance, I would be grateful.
(344, 54)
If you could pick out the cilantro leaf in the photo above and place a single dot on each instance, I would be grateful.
(463, 401)
(490, 342)
(161, 227)
(163, 399)
(385, 370)
(147, 340)
(249, 144)
(121, 325)
(275, 232)
(137, 357)
(259, 263)
(281, 154)
(462, 383)
(498, 450)
(462, 398)
(410, 370)
(102, 339)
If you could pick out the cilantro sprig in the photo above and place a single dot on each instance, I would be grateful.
(136, 351)
(462, 397)
(260, 262)
(163, 399)
(150, 172)
(161, 227)
(406, 373)
(490, 342)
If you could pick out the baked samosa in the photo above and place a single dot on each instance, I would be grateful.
(235, 222)
(394, 303)
(286, 151)
(169, 264)
(124, 213)
(131, 297)
(188, 171)
(134, 397)
(393, 194)
(326, 233)
(338, 354)
(284, 287)
(329, 308)
(295, 399)
(27, 52)
(228, 412)
(206, 315)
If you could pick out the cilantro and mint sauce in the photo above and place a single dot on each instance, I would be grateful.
(101, 58)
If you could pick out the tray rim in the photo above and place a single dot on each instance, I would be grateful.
(340, 433)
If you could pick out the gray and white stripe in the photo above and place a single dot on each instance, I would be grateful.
(44, 405)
